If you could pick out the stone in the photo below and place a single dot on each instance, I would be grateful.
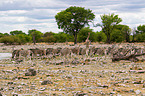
(81, 94)
(15, 94)
(1, 89)
(31, 72)
(45, 82)
(144, 85)
(10, 82)
(137, 92)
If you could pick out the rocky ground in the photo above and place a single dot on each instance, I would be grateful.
(71, 76)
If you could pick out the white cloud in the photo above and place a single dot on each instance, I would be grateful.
(40, 14)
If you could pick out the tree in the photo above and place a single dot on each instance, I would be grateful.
(63, 37)
(116, 36)
(108, 23)
(73, 19)
(100, 36)
(140, 37)
(83, 34)
(140, 33)
(16, 32)
(125, 30)
(24, 38)
(140, 29)
(36, 35)
(1, 35)
(6, 34)
(10, 40)
(48, 34)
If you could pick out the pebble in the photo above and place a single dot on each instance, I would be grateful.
(45, 82)
(137, 92)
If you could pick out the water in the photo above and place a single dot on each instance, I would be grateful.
(5, 55)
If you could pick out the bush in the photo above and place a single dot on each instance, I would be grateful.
(63, 37)
(83, 34)
(101, 37)
(16, 39)
(49, 39)
(140, 37)
(10, 40)
(117, 36)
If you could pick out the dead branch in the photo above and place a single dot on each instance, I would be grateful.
(131, 57)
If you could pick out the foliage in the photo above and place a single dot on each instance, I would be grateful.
(35, 34)
(16, 32)
(125, 30)
(15, 39)
(139, 34)
(100, 37)
(140, 29)
(24, 38)
(63, 37)
(6, 34)
(49, 39)
(10, 40)
(140, 37)
(116, 36)
(73, 19)
(108, 23)
(1, 34)
(83, 34)
(48, 34)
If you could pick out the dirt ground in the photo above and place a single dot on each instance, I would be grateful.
(72, 76)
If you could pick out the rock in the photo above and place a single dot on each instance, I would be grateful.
(15, 94)
(10, 82)
(1, 89)
(137, 71)
(137, 82)
(81, 94)
(45, 82)
(137, 92)
(31, 72)
(144, 85)
(42, 89)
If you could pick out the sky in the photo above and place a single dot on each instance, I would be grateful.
(26, 15)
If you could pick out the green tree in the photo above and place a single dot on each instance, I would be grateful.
(83, 34)
(140, 29)
(125, 30)
(140, 33)
(10, 40)
(24, 38)
(1, 35)
(100, 36)
(6, 34)
(116, 36)
(73, 19)
(36, 35)
(140, 37)
(48, 34)
(16, 32)
(49, 37)
(108, 23)
(63, 37)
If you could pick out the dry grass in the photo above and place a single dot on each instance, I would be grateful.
(95, 77)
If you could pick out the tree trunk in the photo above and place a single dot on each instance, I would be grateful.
(34, 41)
(75, 38)
(108, 39)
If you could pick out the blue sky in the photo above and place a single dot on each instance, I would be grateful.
(40, 14)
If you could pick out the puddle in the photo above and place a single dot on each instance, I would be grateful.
(5, 55)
